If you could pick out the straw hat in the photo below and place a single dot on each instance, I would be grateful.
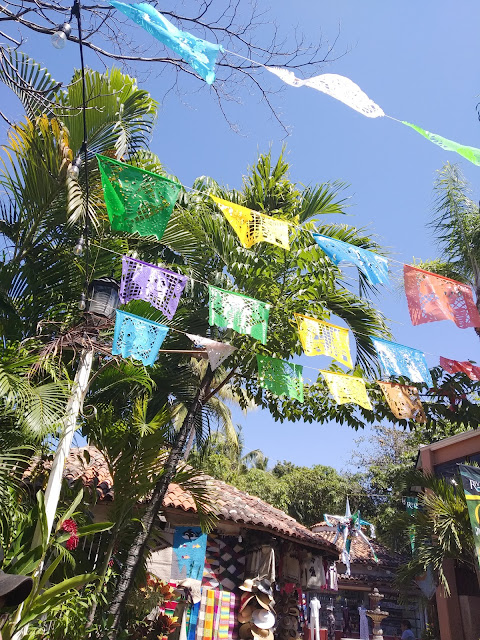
(245, 631)
(264, 586)
(264, 600)
(289, 622)
(245, 615)
(245, 600)
(247, 585)
(263, 619)
(262, 634)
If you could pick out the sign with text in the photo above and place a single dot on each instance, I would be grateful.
(471, 486)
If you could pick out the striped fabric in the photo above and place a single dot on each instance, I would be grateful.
(224, 619)
(233, 625)
(208, 624)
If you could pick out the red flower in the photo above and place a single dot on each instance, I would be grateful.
(72, 542)
(70, 526)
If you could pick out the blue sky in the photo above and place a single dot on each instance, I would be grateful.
(416, 60)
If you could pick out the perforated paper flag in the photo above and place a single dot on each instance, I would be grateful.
(217, 351)
(200, 54)
(280, 377)
(137, 200)
(322, 338)
(373, 266)
(137, 337)
(347, 389)
(431, 298)
(245, 315)
(143, 281)
(404, 401)
(453, 366)
(399, 360)
(470, 153)
(252, 227)
(338, 87)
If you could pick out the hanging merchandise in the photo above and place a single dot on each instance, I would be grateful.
(453, 366)
(189, 546)
(315, 607)
(235, 311)
(321, 338)
(137, 200)
(470, 153)
(338, 87)
(206, 615)
(160, 287)
(200, 54)
(404, 401)
(217, 351)
(373, 266)
(253, 227)
(347, 389)
(431, 297)
(224, 562)
(315, 572)
(137, 337)
(364, 631)
(399, 360)
(280, 377)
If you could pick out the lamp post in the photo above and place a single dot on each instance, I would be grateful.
(101, 303)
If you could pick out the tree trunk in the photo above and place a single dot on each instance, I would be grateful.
(135, 554)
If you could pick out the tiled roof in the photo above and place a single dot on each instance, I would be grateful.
(231, 504)
(360, 553)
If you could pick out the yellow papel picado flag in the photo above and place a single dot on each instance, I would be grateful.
(324, 339)
(347, 389)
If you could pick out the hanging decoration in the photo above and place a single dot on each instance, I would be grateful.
(217, 351)
(349, 527)
(404, 401)
(160, 287)
(137, 337)
(200, 54)
(235, 311)
(189, 547)
(399, 360)
(280, 377)
(321, 338)
(137, 200)
(347, 389)
(253, 227)
(453, 366)
(373, 266)
(470, 153)
(431, 297)
(336, 86)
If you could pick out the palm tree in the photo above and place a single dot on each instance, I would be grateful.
(456, 229)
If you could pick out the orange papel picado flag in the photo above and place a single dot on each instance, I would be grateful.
(347, 389)
(324, 339)
(253, 227)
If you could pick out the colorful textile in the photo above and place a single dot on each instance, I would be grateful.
(245, 315)
(337, 87)
(137, 200)
(373, 266)
(232, 626)
(321, 338)
(470, 153)
(137, 337)
(453, 366)
(347, 389)
(431, 297)
(192, 623)
(253, 227)
(205, 616)
(160, 287)
(399, 360)
(223, 629)
(404, 401)
(200, 54)
(189, 546)
(224, 563)
(280, 377)
(217, 351)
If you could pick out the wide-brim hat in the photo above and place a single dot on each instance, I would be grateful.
(247, 585)
(289, 634)
(293, 611)
(263, 619)
(14, 589)
(264, 586)
(264, 600)
(264, 634)
(245, 631)
(289, 622)
(245, 615)
(245, 600)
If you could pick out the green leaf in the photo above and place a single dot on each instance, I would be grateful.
(91, 529)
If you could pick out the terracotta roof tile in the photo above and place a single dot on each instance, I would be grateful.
(232, 504)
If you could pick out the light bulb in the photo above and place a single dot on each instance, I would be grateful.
(73, 171)
(79, 248)
(82, 303)
(60, 36)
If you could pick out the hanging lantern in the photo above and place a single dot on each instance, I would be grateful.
(103, 298)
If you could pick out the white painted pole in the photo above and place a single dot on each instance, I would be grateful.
(74, 405)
